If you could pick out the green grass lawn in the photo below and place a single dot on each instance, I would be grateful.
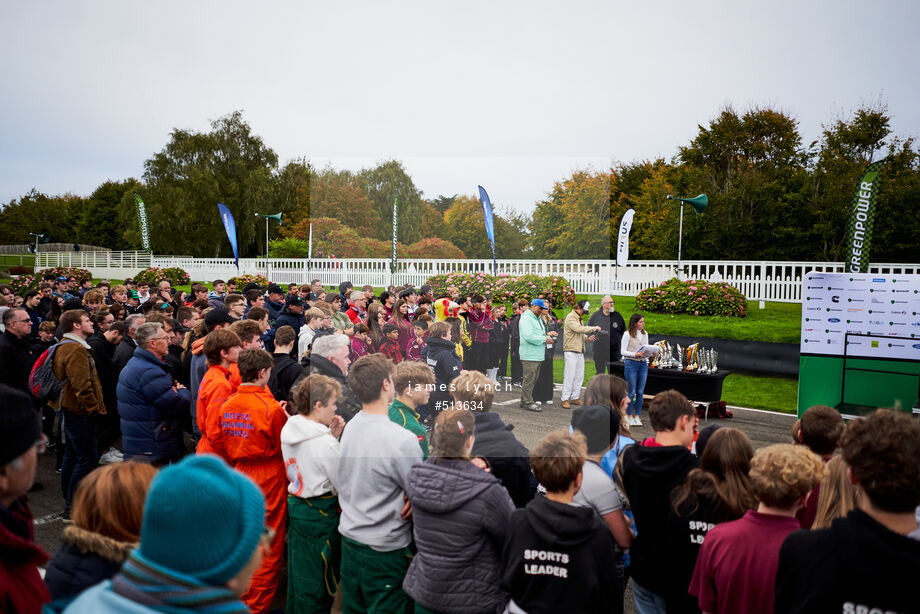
(11, 260)
(776, 323)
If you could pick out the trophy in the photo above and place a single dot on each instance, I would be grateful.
(680, 353)
(693, 357)
(707, 361)
(715, 357)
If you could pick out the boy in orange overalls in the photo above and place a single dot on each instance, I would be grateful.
(250, 423)
(222, 348)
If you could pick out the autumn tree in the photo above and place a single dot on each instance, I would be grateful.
(465, 227)
(574, 221)
(335, 194)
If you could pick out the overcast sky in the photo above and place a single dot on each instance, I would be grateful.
(510, 95)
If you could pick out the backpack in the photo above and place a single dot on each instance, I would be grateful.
(43, 383)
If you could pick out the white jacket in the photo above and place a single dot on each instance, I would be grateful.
(304, 339)
(311, 457)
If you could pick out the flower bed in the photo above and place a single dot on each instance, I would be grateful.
(695, 297)
(67, 271)
(506, 288)
(242, 280)
(23, 283)
(154, 275)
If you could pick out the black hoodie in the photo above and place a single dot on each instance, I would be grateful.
(441, 356)
(857, 565)
(650, 473)
(559, 558)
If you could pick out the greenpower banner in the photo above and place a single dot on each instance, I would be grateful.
(395, 226)
(862, 218)
(142, 219)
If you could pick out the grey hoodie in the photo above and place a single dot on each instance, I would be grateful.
(460, 515)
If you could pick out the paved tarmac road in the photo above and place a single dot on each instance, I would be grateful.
(764, 428)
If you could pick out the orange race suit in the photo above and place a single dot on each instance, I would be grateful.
(250, 422)
(217, 385)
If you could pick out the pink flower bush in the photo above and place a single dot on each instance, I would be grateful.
(697, 297)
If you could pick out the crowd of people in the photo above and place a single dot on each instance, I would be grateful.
(351, 436)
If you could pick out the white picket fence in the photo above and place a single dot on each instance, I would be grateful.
(758, 280)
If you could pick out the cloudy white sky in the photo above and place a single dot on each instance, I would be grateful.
(510, 95)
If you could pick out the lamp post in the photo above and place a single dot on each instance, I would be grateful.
(699, 204)
(38, 237)
(267, 216)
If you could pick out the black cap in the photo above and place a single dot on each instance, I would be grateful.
(599, 425)
(72, 303)
(217, 316)
(293, 299)
(275, 289)
(251, 286)
(703, 439)
(19, 425)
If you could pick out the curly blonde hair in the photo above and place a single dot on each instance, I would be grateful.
(781, 474)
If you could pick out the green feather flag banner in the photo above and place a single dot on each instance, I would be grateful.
(862, 219)
(142, 219)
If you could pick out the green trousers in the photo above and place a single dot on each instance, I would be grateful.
(314, 553)
(531, 370)
(372, 581)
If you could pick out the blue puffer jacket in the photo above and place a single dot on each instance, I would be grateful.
(150, 409)
(289, 318)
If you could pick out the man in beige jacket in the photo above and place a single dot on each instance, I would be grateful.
(573, 350)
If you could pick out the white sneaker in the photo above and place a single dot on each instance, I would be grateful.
(549, 402)
(638, 421)
(117, 452)
(110, 457)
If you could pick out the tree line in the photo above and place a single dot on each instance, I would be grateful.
(771, 197)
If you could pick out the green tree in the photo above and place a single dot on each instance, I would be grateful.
(846, 148)
(385, 182)
(754, 170)
(99, 220)
(194, 172)
(442, 203)
(466, 229)
(53, 216)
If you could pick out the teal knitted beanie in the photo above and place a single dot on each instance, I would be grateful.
(202, 519)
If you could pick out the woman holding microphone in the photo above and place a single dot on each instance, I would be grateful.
(635, 368)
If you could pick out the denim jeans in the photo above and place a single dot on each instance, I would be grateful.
(647, 602)
(635, 372)
(80, 453)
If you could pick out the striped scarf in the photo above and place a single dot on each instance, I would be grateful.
(164, 590)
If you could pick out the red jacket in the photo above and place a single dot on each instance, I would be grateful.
(353, 315)
(391, 350)
(22, 589)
